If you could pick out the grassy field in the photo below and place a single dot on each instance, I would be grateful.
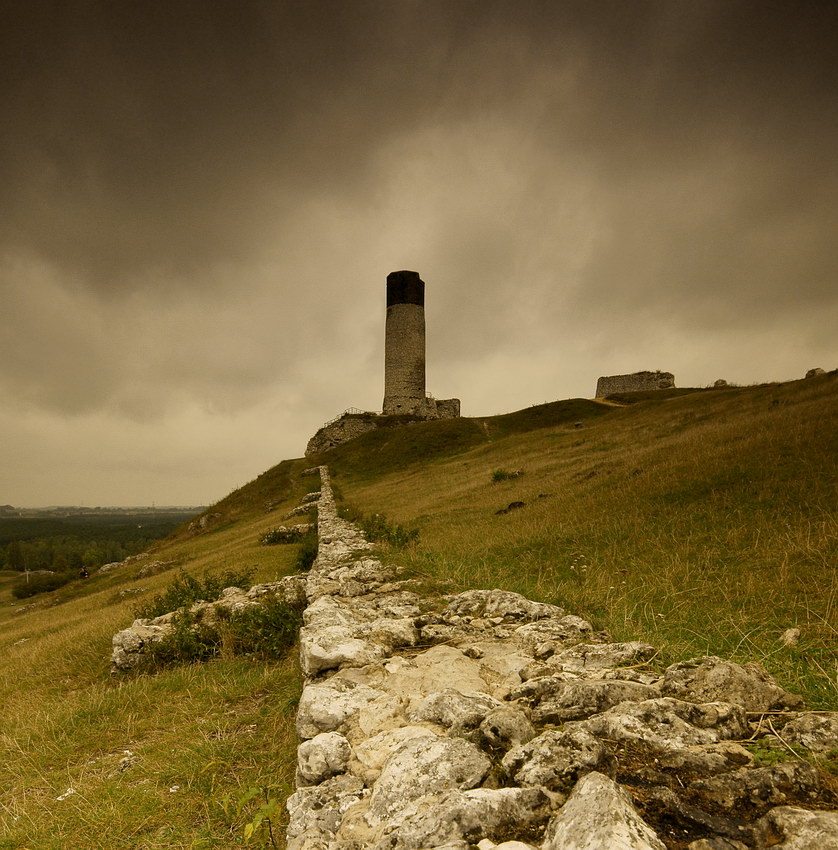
(703, 522)
(197, 738)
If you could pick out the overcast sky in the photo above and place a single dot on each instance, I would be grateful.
(201, 202)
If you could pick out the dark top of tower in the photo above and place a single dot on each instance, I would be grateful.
(405, 288)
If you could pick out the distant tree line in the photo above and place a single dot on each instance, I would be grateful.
(72, 545)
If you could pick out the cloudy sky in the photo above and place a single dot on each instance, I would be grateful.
(201, 200)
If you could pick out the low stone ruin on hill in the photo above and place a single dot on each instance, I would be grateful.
(486, 719)
(636, 382)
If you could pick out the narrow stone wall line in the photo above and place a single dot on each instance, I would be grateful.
(488, 719)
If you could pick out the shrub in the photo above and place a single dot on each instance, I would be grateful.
(378, 528)
(39, 583)
(307, 551)
(267, 630)
(186, 589)
(188, 641)
(503, 475)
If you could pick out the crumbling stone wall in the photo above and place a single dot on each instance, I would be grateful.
(340, 431)
(636, 382)
(493, 720)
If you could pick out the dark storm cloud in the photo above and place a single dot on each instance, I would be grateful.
(201, 201)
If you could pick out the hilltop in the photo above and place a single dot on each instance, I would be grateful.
(702, 521)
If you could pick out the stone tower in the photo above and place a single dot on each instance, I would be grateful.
(404, 345)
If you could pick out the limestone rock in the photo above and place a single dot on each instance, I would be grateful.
(469, 816)
(486, 844)
(450, 707)
(712, 678)
(591, 657)
(420, 764)
(792, 828)
(323, 708)
(315, 813)
(709, 759)
(553, 632)
(371, 754)
(129, 645)
(716, 844)
(504, 728)
(323, 756)
(814, 373)
(498, 603)
(599, 815)
(436, 669)
(759, 786)
(667, 723)
(817, 732)
(557, 759)
(334, 646)
(580, 698)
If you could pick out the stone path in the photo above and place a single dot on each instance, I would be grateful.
(486, 719)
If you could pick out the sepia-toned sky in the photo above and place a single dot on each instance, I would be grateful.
(201, 201)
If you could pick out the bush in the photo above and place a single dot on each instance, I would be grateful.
(504, 475)
(189, 641)
(186, 589)
(277, 536)
(307, 551)
(266, 631)
(378, 528)
(39, 583)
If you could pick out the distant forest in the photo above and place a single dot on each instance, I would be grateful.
(69, 543)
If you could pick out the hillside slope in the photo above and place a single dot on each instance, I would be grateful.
(704, 522)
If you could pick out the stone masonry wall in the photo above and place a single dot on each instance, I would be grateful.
(404, 359)
(340, 431)
(486, 719)
(636, 382)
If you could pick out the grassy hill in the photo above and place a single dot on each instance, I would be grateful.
(704, 522)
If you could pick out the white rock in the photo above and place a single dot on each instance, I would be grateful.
(554, 630)
(791, 828)
(468, 816)
(558, 700)
(451, 706)
(371, 754)
(599, 815)
(668, 723)
(498, 603)
(436, 669)
(711, 678)
(323, 708)
(816, 732)
(590, 657)
(506, 727)
(315, 813)
(421, 765)
(557, 759)
(324, 755)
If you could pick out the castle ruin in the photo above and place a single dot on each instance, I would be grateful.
(404, 370)
(636, 382)
(404, 353)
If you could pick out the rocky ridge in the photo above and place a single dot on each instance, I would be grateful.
(495, 721)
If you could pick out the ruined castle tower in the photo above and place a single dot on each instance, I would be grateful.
(404, 345)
